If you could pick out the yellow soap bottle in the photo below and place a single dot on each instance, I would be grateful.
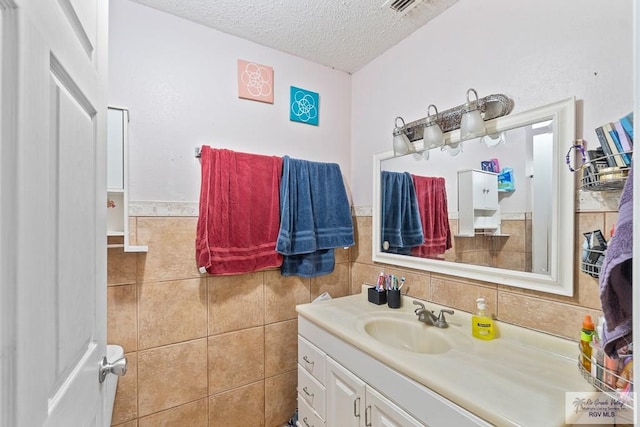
(482, 326)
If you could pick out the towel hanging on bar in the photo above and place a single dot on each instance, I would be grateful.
(238, 218)
(315, 217)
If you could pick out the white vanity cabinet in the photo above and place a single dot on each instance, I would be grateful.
(311, 385)
(353, 403)
(478, 206)
(117, 179)
(339, 385)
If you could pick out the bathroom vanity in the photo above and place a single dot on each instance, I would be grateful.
(361, 364)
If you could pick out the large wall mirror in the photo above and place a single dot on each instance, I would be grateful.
(522, 238)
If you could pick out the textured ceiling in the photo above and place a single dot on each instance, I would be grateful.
(342, 34)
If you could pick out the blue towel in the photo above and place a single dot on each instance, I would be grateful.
(401, 223)
(314, 264)
(315, 217)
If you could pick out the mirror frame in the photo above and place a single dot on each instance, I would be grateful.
(560, 280)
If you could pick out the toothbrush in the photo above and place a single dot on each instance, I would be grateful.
(381, 280)
(401, 283)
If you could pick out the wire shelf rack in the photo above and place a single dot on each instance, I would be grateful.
(614, 383)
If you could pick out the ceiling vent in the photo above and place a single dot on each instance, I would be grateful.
(401, 6)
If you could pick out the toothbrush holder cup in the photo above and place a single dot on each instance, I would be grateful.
(394, 300)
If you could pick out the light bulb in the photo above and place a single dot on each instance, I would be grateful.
(433, 136)
(471, 122)
(400, 144)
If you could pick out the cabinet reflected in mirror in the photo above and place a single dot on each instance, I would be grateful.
(513, 227)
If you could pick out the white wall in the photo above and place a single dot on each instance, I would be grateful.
(535, 52)
(179, 81)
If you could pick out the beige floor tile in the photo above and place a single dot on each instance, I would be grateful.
(240, 407)
(192, 414)
(121, 267)
(171, 312)
(125, 407)
(133, 423)
(281, 347)
(172, 375)
(122, 321)
(171, 244)
(235, 359)
(280, 398)
(235, 302)
(282, 294)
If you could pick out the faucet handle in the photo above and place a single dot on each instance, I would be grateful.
(441, 317)
(419, 304)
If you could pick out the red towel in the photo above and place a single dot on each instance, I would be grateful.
(431, 194)
(239, 212)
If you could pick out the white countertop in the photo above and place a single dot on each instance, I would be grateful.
(518, 379)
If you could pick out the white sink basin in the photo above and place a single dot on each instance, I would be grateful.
(408, 334)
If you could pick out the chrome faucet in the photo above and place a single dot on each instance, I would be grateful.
(429, 317)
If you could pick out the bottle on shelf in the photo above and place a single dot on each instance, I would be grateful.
(586, 335)
(597, 352)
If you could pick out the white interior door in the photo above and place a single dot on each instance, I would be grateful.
(52, 213)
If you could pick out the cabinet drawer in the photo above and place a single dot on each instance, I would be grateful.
(311, 358)
(312, 392)
(306, 416)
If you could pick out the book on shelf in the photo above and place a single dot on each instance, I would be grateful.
(596, 161)
(615, 153)
(606, 148)
(627, 125)
(625, 141)
(610, 127)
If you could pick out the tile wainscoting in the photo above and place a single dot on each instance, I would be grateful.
(221, 351)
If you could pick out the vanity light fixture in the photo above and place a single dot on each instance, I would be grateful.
(431, 129)
(401, 143)
(471, 122)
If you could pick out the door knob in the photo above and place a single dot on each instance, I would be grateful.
(119, 368)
